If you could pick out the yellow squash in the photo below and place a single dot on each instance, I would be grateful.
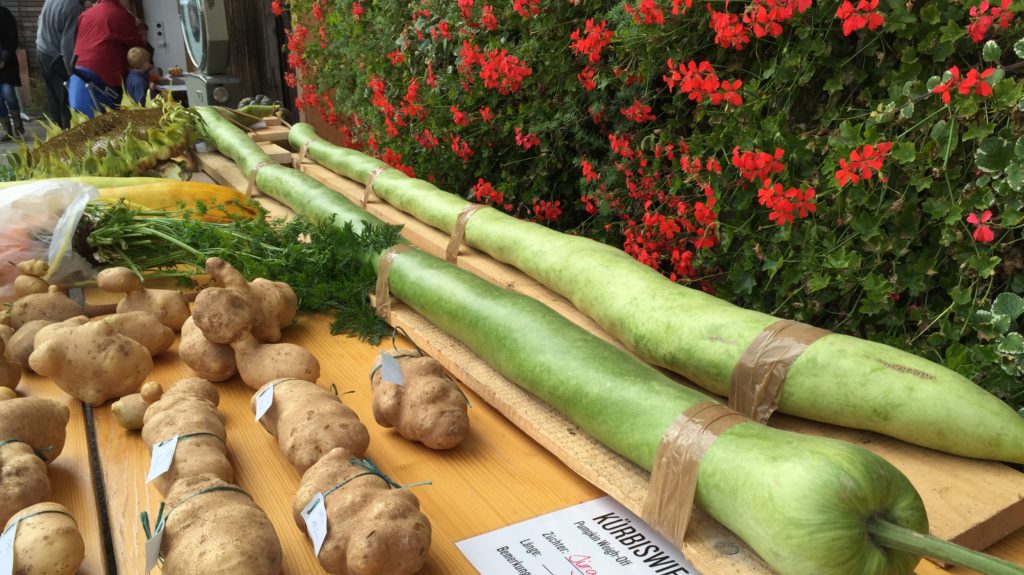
(221, 203)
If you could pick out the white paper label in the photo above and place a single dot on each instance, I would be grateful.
(162, 457)
(390, 369)
(7, 550)
(596, 537)
(153, 546)
(315, 516)
(264, 400)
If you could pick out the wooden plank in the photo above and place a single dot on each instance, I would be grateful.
(275, 134)
(272, 121)
(71, 480)
(277, 154)
(948, 484)
(496, 477)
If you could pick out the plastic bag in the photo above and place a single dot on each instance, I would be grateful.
(38, 221)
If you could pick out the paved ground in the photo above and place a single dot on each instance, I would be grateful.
(31, 127)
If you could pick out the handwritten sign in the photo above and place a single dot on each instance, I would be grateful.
(594, 538)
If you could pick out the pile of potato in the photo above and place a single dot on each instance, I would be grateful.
(233, 328)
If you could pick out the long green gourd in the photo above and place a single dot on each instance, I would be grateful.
(805, 504)
(839, 379)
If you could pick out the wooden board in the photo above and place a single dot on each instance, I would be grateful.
(71, 480)
(496, 477)
(277, 154)
(948, 484)
(275, 134)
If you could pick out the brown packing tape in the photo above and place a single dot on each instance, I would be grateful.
(760, 373)
(297, 164)
(459, 231)
(382, 292)
(369, 185)
(673, 486)
(251, 188)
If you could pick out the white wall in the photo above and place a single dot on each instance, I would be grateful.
(168, 47)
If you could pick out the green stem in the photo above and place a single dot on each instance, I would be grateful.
(897, 537)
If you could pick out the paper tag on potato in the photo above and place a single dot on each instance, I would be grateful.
(153, 545)
(264, 400)
(163, 456)
(390, 369)
(315, 516)
(7, 550)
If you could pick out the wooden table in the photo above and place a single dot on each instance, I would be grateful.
(498, 476)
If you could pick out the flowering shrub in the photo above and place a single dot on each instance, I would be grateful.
(854, 164)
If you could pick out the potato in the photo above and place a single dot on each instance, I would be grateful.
(21, 344)
(144, 328)
(38, 422)
(47, 541)
(259, 362)
(428, 407)
(52, 306)
(169, 306)
(189, 407)
(23, 479)
(273, 304)
(27, 285)
(212, 361)
(371, 528)
(92, 362)
(296, 404)
(220, 532)
(10, 372)
(129, 411)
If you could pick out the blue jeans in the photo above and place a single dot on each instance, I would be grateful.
(8, 101)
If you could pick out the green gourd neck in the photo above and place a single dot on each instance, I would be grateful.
(896, 537)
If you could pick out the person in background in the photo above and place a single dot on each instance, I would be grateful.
(55, 49)
(10, 77)
(105, 34)
(137, 83)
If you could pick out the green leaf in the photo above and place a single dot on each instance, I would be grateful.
(993, 155)
(1018, 48)
(1008, 304)
(940, 132)
(984, 264)
(907, 111)
(951, 32)
(930, 15)
(991, 51)
(1015, 176)
(904, 152)
(817, 282)
(978, 130)
(1012, 344)
(990, 325)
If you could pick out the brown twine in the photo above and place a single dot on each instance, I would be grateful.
(251, 187)
(369, 185)
(297, 162)
(673, 486)
(383, 292)
(459, 232)
(760, 373)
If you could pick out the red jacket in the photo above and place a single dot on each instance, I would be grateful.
(105, 33)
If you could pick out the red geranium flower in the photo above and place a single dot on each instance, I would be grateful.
(982, 232)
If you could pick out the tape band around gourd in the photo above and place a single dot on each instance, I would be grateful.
(250, 188)
(383, 291)
(757, 379)
(297, 162)
(459, 232)
(369, 185)
(670, 495)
